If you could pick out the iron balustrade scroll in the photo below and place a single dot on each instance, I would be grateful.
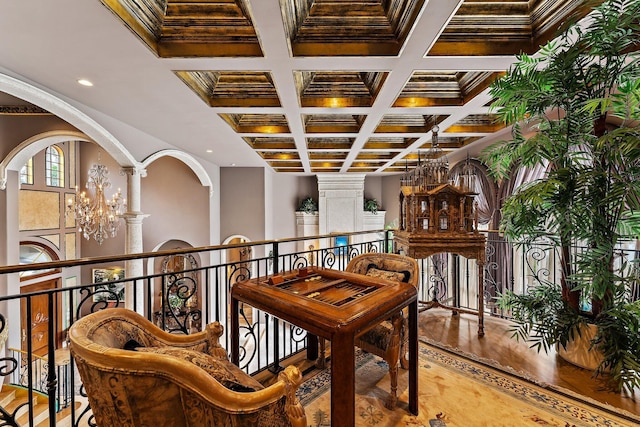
(65, 305)
(266, 340)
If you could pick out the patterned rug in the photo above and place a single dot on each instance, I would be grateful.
(455, 391)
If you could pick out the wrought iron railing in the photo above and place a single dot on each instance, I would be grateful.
(37, 376)
(184, 300)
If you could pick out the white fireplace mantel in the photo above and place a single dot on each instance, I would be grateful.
(341, 201)
(340, 210)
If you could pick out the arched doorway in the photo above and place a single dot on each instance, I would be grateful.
(239, 266)
(177, 295)
(238, 259)
(35, 316)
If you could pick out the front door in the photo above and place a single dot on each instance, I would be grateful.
(40, 317)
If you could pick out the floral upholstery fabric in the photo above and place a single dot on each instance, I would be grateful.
(397, 276)
(376, 263)
(379, 336)
(117, 334)
(225, 372)
(120, 333)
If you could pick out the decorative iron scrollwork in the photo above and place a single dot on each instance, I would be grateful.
(179, 297)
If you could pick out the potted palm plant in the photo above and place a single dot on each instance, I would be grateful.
(575, 111)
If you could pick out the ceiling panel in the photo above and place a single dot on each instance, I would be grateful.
(302, 86)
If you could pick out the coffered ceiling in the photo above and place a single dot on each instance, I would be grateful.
(308, 86)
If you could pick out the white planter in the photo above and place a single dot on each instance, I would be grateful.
(307, 225)
(578, 351)
(373, 221)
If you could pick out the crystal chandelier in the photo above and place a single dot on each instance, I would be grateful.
(96, 216)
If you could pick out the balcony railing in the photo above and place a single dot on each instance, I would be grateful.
(182, 297)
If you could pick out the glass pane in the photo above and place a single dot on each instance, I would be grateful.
(31, 254)
(54, 166)
(26, 172)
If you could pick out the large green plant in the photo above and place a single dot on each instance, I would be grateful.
(575, 108)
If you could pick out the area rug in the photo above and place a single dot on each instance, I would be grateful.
(455, 391)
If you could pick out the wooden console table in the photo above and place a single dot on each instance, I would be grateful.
(471, 246)
(337, 306)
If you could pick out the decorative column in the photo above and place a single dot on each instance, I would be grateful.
(10, 283)
(133, 238)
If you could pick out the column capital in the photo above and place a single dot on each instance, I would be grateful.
(134, 217)
(133, 170)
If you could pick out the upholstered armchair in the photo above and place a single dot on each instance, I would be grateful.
(388, 339)
(138, 375)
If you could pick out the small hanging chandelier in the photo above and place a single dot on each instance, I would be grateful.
(433, 171)
(97, 217)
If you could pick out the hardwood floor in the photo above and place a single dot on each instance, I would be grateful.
(460, 332)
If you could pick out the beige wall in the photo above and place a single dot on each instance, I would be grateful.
(249, 195)
(16, 129)
(284, 200)
(286, 191)
(306, 186)
(390, 189)
(242, 207)
(373, 190)
(173, 195)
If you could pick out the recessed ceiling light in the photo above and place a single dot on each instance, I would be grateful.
(85, 82)
(209, 151)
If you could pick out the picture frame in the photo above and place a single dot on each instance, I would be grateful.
(110, 291)
(340, 244)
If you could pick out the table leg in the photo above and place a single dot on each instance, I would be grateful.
(312, 347)
(235, 332)
(315, 349)
(480, 299)
(413, 358)
(275, 343)
(343, 381)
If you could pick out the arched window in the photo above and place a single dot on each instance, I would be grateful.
(26, 173)
(33, 253)
(54, 166)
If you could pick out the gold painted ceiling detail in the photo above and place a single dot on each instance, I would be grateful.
(338, 88)
(257, 123)
(338, 143)
(332, 123)
(407, 123)
(187, 28)
(232, 88)
(353, 28)
(426, 89)
(311, 119)
(271, 143)
(497, 27)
